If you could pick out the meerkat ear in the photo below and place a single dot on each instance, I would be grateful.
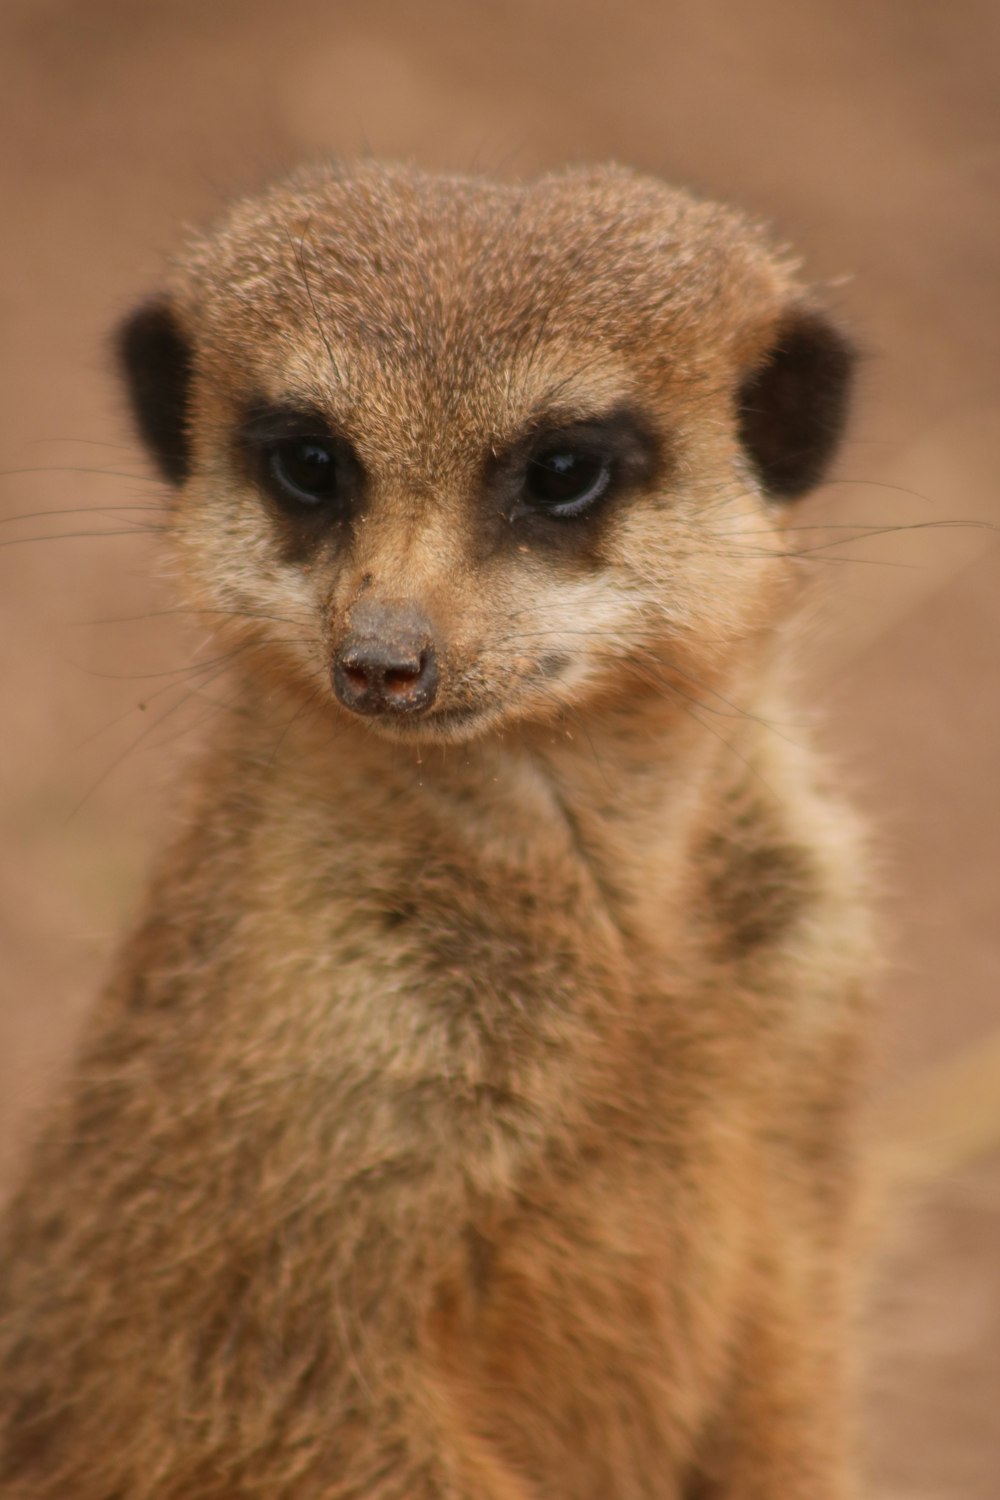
(793, 405)
(154, 355)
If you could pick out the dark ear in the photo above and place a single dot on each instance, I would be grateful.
(793, 405)
(154, 355)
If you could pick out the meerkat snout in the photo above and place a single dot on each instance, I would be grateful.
(388, 662)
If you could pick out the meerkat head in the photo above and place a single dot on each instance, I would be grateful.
(455, 454)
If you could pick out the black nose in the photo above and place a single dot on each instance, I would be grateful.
(387, 667)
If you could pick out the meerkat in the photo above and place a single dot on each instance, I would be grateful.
(471, 1111)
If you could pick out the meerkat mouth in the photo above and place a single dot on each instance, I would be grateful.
(437, 726)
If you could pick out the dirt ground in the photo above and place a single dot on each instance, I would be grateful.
(870, 135)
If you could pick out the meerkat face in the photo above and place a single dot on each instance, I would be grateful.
(456, 454)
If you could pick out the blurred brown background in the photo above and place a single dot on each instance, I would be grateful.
(870, 135)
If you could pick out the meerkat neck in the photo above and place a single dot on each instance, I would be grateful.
(605, 793)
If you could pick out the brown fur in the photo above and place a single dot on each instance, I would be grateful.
(470, 1114)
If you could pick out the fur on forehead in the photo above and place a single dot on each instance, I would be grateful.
(422, 272)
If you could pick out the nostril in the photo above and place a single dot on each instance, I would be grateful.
(399, 680)
(357, 678)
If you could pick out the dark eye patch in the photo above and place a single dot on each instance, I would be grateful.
(561, 475)
(311, 473)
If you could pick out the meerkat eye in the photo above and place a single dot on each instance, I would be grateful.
(309, 472)
(565, 481)
(303, 471)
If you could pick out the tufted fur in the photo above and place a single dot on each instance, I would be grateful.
(470, 1113)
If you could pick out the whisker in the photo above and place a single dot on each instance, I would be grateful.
(81, 510)
(136, 478)
(215, 706)
(139, 707)
(298, 250)
(189, 667)
(72, 536)
(197, 612)
(131, 747)
(809, 555)
(192, 669)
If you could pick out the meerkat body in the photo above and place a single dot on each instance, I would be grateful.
(470, 1113)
